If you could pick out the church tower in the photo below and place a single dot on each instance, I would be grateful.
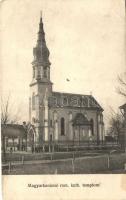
(40, 88)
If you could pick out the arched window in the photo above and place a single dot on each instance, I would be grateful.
(62, 126)
(50, 137)
(51, 122)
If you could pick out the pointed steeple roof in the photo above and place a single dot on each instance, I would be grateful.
(41, 33)
(41, 52)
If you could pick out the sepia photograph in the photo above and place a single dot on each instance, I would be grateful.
(63, 95)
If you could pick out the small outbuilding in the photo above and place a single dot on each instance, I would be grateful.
(14, 137)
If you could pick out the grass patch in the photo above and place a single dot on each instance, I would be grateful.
(82, 165)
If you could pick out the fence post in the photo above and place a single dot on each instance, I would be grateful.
(125, 166)
(22, 160)
(108, 161)
(49, 148)
(73, 155)
(73, 169)
(56, 171)
(67, 148)
(9, 167)
(51, 157)
(43, 148)
(53, 148)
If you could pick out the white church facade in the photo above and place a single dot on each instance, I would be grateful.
(60, 117)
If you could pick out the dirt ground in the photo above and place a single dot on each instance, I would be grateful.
(81, 165)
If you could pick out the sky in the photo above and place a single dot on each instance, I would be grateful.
(86, 43)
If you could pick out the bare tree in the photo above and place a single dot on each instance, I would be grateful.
(9, 113)
(4, 111)
(116, 119)
(116, 123)
(122, 84)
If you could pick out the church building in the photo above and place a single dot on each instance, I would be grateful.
(60, 118)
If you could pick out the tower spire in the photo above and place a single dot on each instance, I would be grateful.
(41, 14)
(41, 52)
(41, 33)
